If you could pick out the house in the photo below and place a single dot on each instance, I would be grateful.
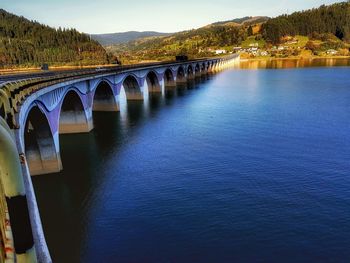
(331, 52)
(264, 53)
(254, 45)
(220, 51)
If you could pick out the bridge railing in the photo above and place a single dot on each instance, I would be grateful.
(6, 248)
(14, 93)
(17, 91)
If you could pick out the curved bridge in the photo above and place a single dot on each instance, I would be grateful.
(34, 111)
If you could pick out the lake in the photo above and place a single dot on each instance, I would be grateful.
(242, 166)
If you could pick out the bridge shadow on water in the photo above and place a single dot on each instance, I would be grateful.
(65, 199)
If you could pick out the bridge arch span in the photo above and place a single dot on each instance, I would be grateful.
(197, 70)
(203, 68)
(153, 82)
(132, 88)
(104, 98)
(190, 72)
(75, 115)
(180, 75)
(211, 66)
(40, 149)
(169, 80)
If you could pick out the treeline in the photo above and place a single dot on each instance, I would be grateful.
(334, 19)
(194, 43)
(28, 43)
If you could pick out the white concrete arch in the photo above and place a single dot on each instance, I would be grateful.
(40, 147)
(75, 114)
(153, 83)
(169, 79)
(180, 75)
(104, 97)
(132, 88)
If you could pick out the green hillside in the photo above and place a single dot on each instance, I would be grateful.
(29, 43)
(316, 32)
(195, 43)
(333, 19)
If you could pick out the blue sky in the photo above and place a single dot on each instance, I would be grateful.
(107, 16)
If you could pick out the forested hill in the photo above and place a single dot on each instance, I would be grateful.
(119, 38)
(29, 43)
(333, 19)
(194, 43)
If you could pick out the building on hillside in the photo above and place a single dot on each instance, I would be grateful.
(331, 52)
(254, 45)
(220, 51)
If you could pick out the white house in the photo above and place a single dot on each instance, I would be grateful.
(220, 51)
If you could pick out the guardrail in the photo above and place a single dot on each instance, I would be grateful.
(17, 91)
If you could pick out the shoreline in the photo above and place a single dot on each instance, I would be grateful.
(20, 69)
(295, 58)
(24, 70)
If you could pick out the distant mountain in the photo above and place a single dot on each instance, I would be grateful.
(120, 38)
(29, 43)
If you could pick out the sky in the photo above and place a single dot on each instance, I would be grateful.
(109, 16)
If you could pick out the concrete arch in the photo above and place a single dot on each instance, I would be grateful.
(132, 88)
(190, 72)
(39, 144)
(73, 117)
(4, 104)
(5, 109)
(104, 98)
(203, 67)
(153, 83)
(169, 80)
(180, 75)
(212, 66)
(197, 70)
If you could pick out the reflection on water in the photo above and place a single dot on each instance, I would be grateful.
(243, 166)
(65, 198)
(293, 63)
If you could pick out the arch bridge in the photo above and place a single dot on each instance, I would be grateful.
(36, 109)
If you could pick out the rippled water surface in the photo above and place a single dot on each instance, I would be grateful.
(245, 166)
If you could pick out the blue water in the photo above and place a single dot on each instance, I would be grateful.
(246, 166)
